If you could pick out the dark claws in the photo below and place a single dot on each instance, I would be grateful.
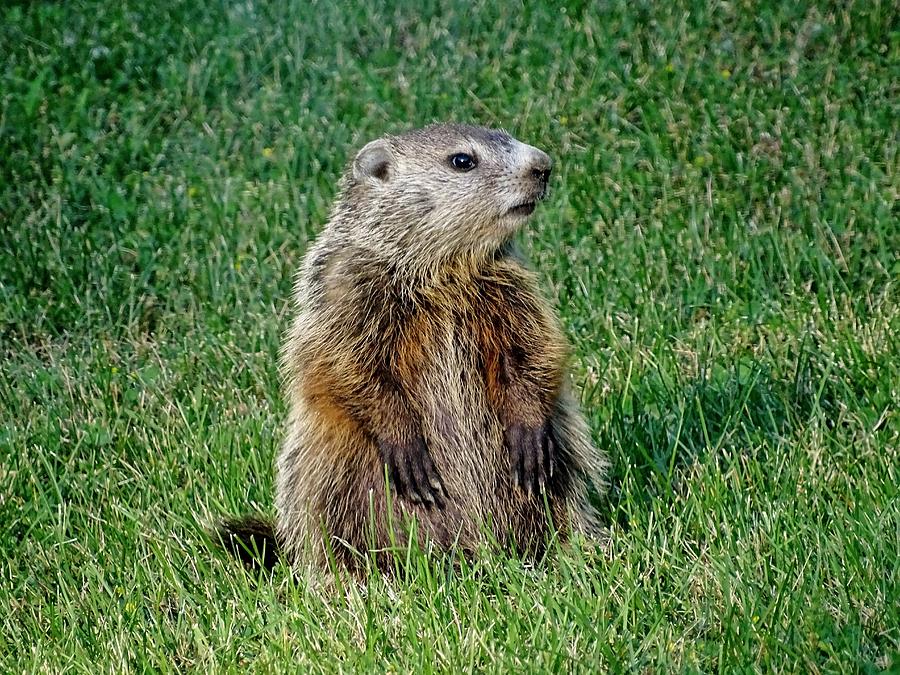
(513, 437)
(531, 452)
(412, 473)
(529, 460)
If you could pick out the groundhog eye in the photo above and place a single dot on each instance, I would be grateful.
(462, 162)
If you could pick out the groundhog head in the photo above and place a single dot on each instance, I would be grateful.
(444, 190)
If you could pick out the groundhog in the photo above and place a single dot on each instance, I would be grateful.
(425, 374)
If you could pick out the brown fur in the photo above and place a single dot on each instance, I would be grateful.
(422, 342)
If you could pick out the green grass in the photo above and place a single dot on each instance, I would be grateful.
(722, 242)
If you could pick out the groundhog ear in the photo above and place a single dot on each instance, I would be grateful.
(373, 161)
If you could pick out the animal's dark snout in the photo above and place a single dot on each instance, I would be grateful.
(539, 167)
(541, 175)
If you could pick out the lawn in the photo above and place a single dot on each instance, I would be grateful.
(722, 242)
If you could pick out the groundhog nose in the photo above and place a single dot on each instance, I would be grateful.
(543, 175)
(541, 166)
(539, 160)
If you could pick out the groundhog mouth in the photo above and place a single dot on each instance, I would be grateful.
(523, 209)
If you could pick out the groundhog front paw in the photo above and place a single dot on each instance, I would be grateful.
(531, 452)
(412, 473)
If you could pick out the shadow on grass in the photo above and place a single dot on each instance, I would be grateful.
(655, 430)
